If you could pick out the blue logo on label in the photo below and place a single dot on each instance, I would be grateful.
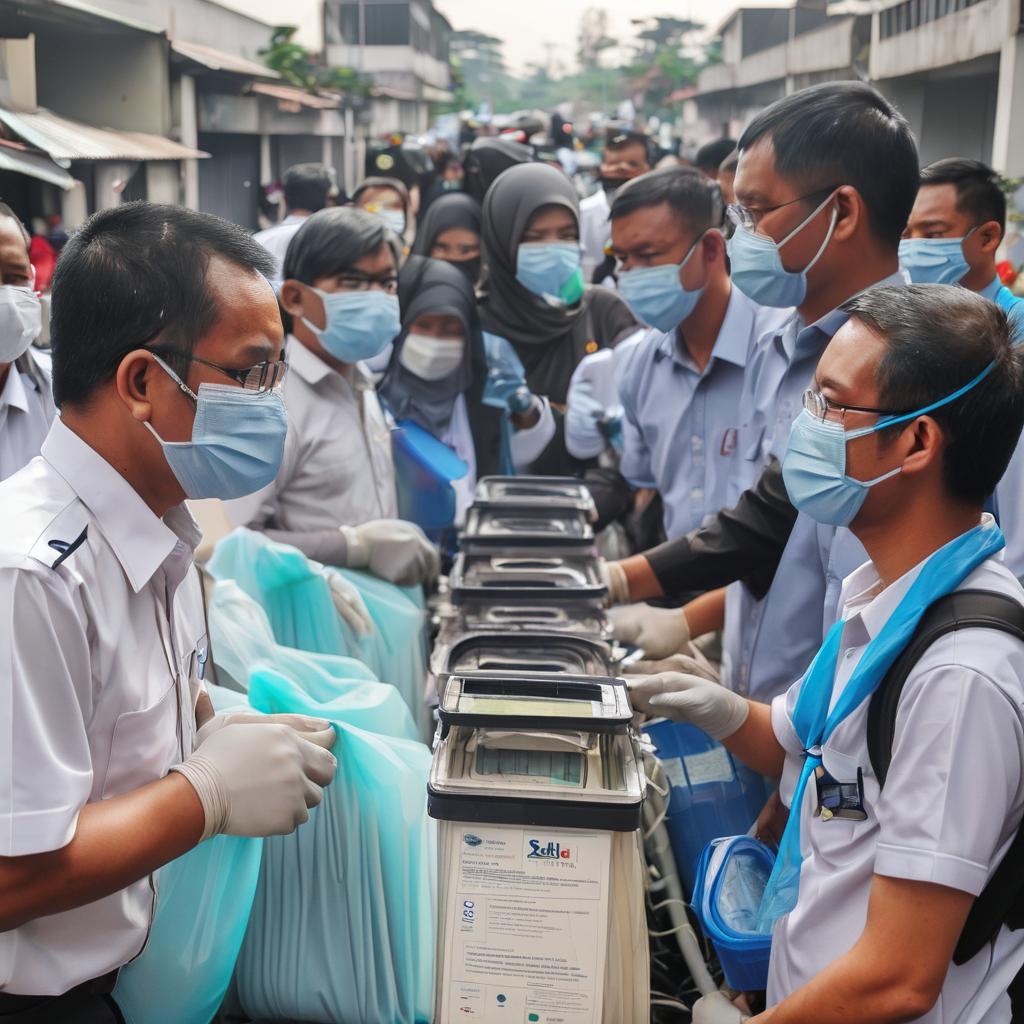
(471, 840)
(549, 851)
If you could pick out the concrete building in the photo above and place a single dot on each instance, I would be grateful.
(402, 47)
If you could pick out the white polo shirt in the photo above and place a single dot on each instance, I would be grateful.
(26, 411)
(952, 802)
(102, 640)
(337, 468)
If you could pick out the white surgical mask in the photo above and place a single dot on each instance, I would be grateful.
(20, 320)
(394, 219)
(431, 358)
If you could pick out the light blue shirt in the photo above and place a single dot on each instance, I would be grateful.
(769, 643)
(998, 293)
(681, 424)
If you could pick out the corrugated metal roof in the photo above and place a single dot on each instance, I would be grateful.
(14, 157)
(218, 60)
(64, 139)
(290, 94)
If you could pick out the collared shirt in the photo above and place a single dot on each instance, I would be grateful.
(998, 293)
(103, 631)
(959, 735)
(26, 411)
(277, 238)
(802, 602)
(337, 468)
(681, 423)
(595, 230)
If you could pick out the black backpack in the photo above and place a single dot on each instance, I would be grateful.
(1001, 902)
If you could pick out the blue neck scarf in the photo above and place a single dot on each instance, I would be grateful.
(814, 723)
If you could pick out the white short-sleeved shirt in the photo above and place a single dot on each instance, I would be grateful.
(337, 468)
(26, 412)
(952, 801)
(102, 643)
(595, 230)
(276, 239)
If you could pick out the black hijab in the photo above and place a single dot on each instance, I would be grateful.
(452, 210)
(434, 286)
(549, 339)
(487, 158)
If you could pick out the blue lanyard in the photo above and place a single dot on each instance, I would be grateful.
(814, 723)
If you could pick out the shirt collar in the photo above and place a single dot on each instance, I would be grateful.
(990, 291)
(732, 343)
(292, 218)
(309, 366)
(13, 393)
(141, 540)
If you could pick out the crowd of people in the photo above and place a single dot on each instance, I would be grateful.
(789, 376)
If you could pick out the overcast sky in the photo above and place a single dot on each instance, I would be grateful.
(526, 25)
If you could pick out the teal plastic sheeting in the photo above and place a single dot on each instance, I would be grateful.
(342, 927)
(296, 600)
(203, 905)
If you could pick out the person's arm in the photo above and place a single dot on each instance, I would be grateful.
(897, 967)
(528, 440)
(755, 742)
(744, 542)
(706, 614)
(116, 842)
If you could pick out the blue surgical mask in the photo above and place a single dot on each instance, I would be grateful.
(814, 467)
(757, 270)
(394, 219)
(657, 295)
(934, 260)
(360, 325)
(548, 269)
(237, 440)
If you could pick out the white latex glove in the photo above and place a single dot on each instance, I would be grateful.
(394, 550)
(692, 664)
(256, 779)
(659, 632)
(685, 698)
(302, 724)
(349, 603)
(614, 577)
(716, 1009)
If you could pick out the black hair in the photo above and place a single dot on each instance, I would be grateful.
(332, 240)
(845, 133)
(697, 200)
(979, 189)
(731, 162)
(6, 213)
(618, 141)
(132, 275)
(937, 339)
(307, 186)
(710, 156)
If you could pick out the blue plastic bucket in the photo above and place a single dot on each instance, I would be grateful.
(712, 794)
(743, 954)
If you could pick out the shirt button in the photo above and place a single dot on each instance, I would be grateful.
(697, 443)
(697, 493)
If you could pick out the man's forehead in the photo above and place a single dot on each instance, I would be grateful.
(850, 361)
(755, 172)
(936, 201)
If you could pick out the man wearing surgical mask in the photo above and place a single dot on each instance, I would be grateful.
(167, 353)
(825, 182)
(334, 497)
(26, 404)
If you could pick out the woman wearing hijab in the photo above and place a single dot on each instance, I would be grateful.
(438, 378)
(487, 158)
(389, 199)
(535, 294)
(450, 231)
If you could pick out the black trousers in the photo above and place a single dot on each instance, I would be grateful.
(74, 1007)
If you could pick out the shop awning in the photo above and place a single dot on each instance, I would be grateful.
(63, 139)
(288, 94)
(17, 158)
(218, 60)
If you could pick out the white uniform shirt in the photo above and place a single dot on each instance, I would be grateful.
(595, 230)
(103, 641)
(26, 411)
(952, 801)
(337, 468)
(277, 238)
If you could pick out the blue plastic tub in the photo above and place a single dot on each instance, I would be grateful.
(743, 954)
(713, 795)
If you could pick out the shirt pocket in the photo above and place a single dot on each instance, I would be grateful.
(144, 745)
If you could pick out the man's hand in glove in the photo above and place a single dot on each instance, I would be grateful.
(659, 632)
(692, 664)
(716, 1009)
(304, 725)
(349, 603)
(687, 698)
(394, 550)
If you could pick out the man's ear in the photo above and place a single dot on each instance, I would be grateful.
(926, 446)
(290, 296)
(851, 212)
(134, 383)
(989, 236)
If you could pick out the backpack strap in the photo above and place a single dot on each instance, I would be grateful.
(1000, 902)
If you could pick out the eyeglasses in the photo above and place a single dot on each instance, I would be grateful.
(263, 376)
(748, 218)
(822, 409)
(359, 283)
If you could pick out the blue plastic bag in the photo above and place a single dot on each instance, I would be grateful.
(342, 928)
(203, 904)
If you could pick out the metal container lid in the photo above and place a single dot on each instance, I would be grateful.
(549, 492)
(530, 526)
(527, 576)
(551, 653)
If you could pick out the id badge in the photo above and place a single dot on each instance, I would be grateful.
(839, 799)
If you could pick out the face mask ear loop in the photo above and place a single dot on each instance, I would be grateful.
(824, 244)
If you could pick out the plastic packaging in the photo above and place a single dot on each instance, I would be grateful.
(424, 469)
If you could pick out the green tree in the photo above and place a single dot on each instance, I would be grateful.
(295, 65)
